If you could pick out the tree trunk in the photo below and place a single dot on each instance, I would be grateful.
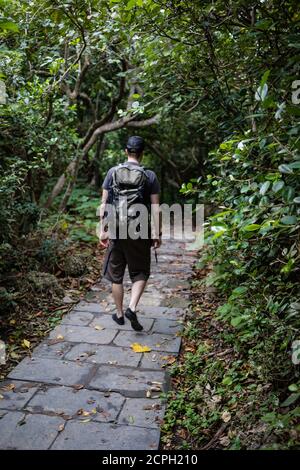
(72, 177)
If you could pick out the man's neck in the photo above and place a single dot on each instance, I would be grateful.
(133, 160)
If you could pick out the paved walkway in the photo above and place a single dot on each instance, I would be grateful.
(84, 387)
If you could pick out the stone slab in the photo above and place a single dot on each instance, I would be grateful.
(155, 341)
(107, 322)
(165, 326)
(77, 318)
(102, 436)
(128, 381)
(142, 412)
(92, 307)
(86, 334)
(16, 394)
(161, 312)
(76, 403)
(28, 432)
(48, 349)
(98, 354)
(156, 360)
(53, 371)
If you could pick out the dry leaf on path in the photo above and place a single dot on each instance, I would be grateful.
(139, 348)
(8, 388)
(99, 327)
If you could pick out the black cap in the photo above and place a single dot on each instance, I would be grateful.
(135, 144)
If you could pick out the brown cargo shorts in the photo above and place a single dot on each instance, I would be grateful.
(134, 253)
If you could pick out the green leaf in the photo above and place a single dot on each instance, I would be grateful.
(289, 220)
(285, 169)
(265, 187)
(293, 388)
(240, 290)
(265, 78)
(227, 381)
(277, 186)
(9, 26)
(236, 321)
(291, 399)
(251, 227)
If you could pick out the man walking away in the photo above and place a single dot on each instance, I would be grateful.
(136, 185)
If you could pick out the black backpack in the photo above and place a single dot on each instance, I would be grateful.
(129, 184)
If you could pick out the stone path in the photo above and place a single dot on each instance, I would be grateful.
(84, 387)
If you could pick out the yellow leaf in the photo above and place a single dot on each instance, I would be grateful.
(59, 337)
(99, 327)
(12, 322)
(26, 343)
(139, 348)
(64, 225)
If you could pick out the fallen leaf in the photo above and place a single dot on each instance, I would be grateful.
(22, 421)
(216, 398)
(148, 394)
(85, 420)
(138, 348)
(131, 419)
(225, 441)
(14, 355)
(61, 428)
(171, 360)
(99, 327)
(12, 322)
(155, 389)
(60, 337)
(226, 416)
(8, 388)
(78, 386)
(26, 343)
(1, 397)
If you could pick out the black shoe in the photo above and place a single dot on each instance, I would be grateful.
(119, 320)
(133, 320)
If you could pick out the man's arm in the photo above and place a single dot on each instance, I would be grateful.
(156, 226)
(103, 234)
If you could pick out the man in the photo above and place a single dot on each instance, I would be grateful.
(134, 183)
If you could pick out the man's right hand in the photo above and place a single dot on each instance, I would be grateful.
(104, 240)
(156, 242)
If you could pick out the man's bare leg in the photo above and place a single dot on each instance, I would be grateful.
(118, 295)
(136, 293)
